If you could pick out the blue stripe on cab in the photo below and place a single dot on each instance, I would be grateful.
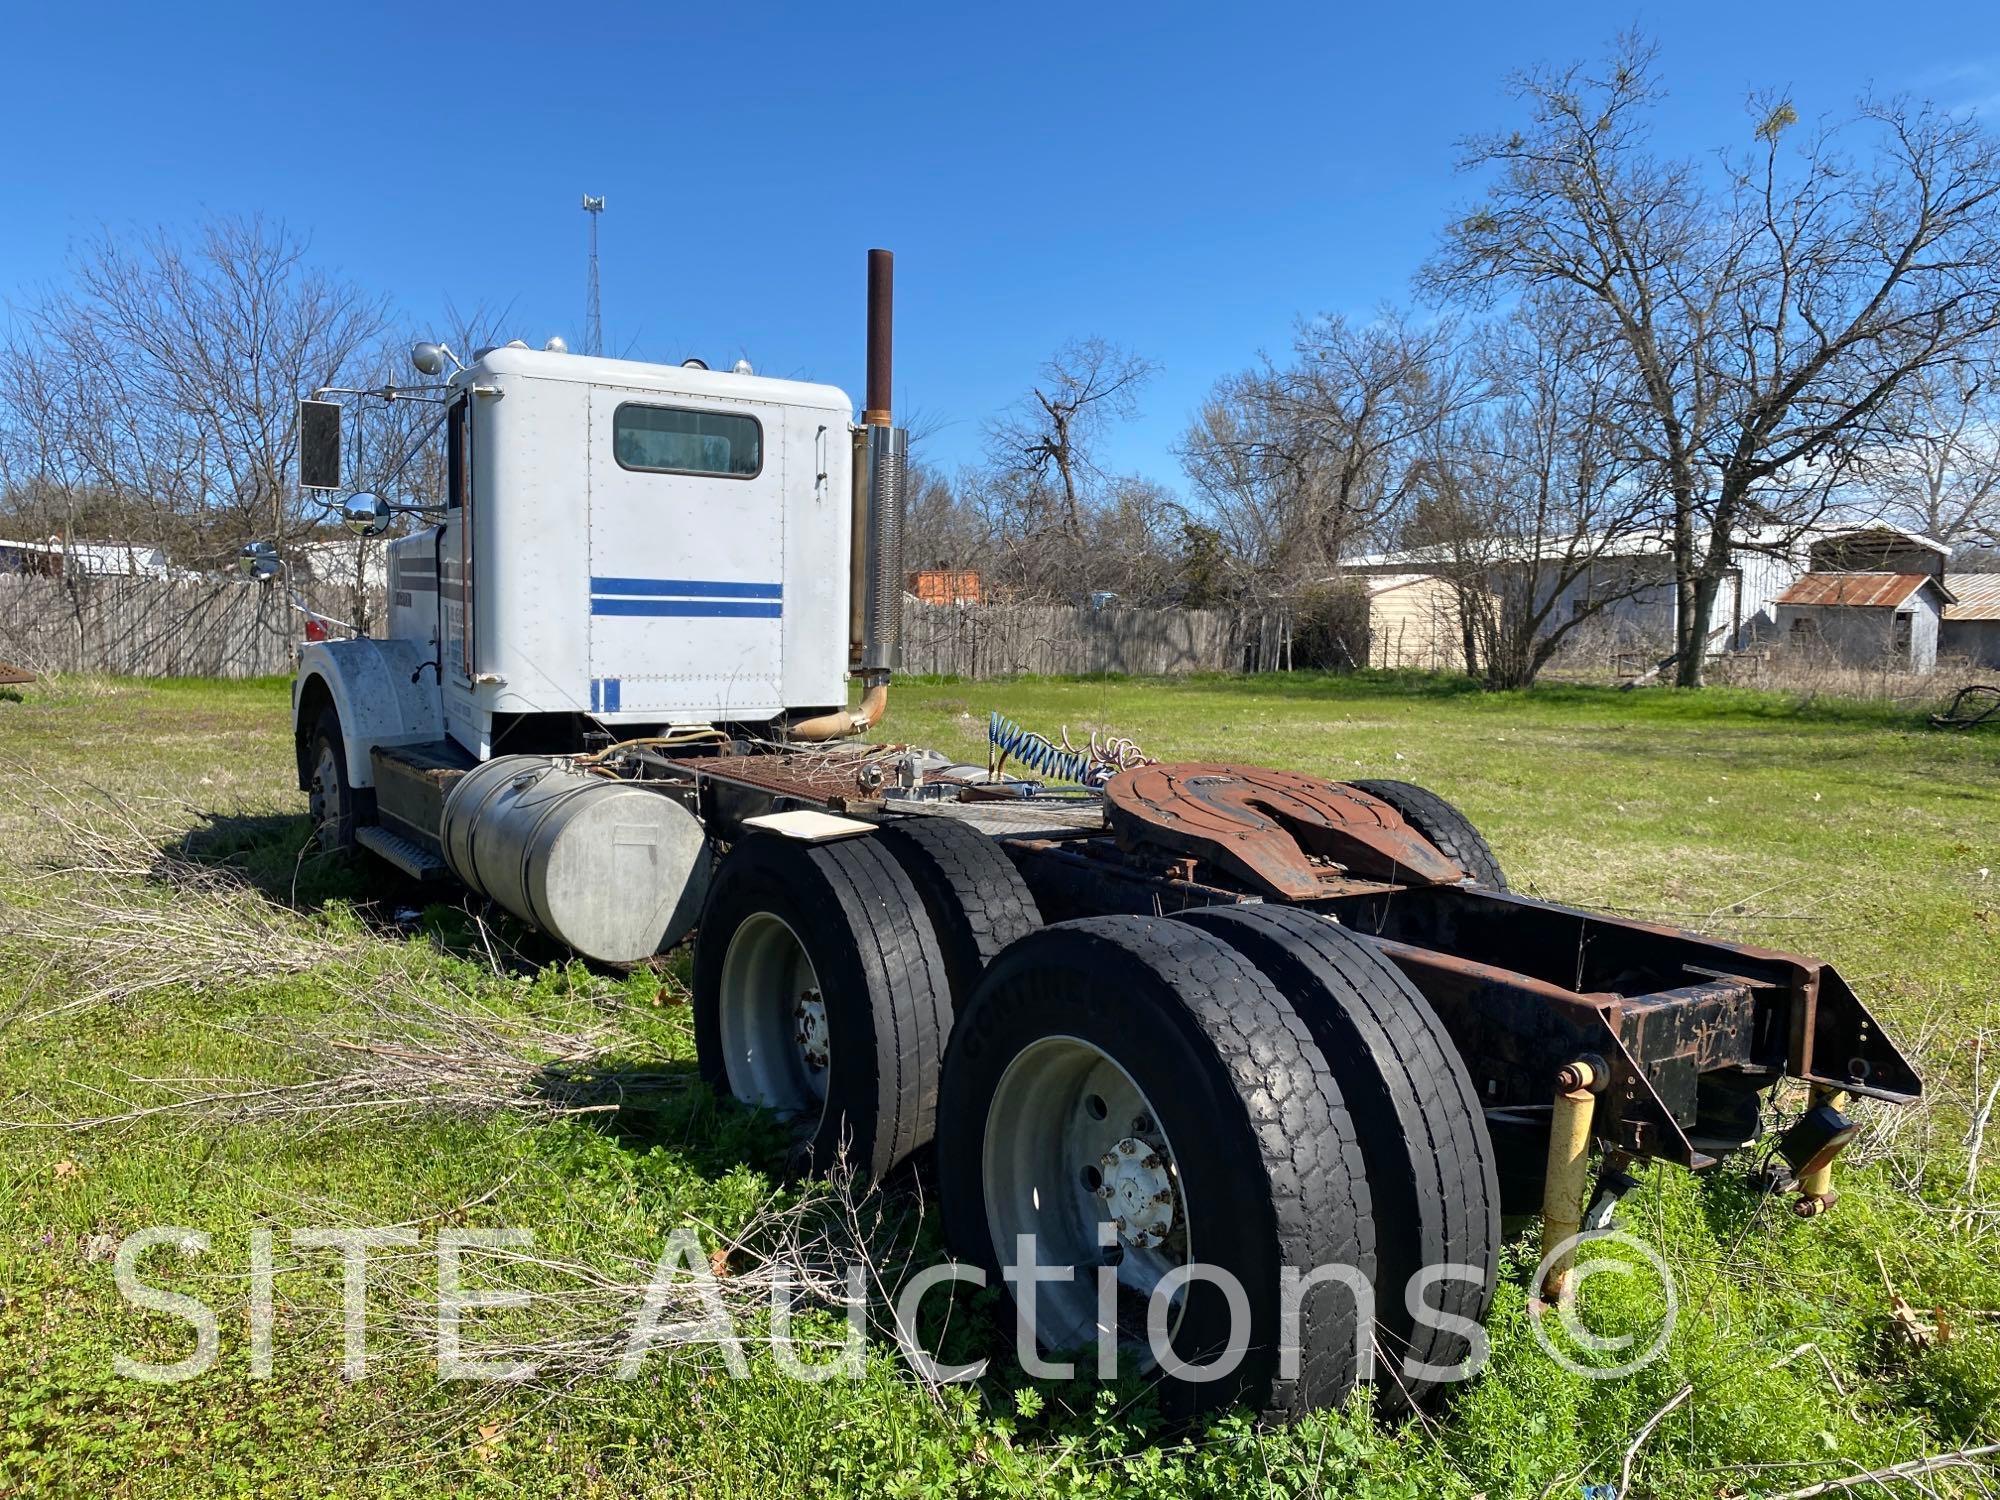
(708, 608)
(611, 695)
(687, 588)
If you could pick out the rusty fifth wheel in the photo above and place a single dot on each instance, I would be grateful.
(1127, 1102)
(1291, 836)
(1443, 825)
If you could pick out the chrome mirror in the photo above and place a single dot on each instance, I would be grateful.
(258, 562)
(365, 514)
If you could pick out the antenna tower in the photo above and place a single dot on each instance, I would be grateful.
(593, 316)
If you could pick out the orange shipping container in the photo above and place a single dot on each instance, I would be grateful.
(945, 586)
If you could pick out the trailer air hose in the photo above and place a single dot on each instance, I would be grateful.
(1091, 765)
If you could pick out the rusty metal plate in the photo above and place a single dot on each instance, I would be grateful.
(1292, 836)
(11, 675)
(832, 778)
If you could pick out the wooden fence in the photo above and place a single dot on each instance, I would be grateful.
(999, 640)
(222, 628)
(146, 627)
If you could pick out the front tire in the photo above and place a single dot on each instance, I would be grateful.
(820, 994)
(1133, 1093)
(333, 803)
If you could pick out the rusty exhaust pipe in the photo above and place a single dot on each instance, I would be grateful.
(875, 555)
(881, 336)
(888, 455)
(874, 413)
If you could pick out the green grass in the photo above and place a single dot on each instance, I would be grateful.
(1838, 829)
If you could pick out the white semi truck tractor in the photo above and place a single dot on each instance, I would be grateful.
(1150, 1016)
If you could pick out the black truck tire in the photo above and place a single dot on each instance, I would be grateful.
(820, 992)
(334, 805)
(1431, 1172)
(977, 901)
(1252, 1148)
(1444, 825)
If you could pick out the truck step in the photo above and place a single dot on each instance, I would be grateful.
(418, 861)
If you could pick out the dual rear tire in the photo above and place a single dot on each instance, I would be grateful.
(1128, 1098)
(826, 977)
(820, 993)
(1208, 1125)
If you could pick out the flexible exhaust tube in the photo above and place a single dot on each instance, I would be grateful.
(874, 703)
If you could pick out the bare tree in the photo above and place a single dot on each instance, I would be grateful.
(1044, 518)
(1525, 503)
(940, 528)
(1296, 464)
(1769, 312)
(1942, 476)
(180, 366)
(1047, 442)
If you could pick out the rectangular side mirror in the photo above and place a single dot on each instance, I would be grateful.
(319, 445)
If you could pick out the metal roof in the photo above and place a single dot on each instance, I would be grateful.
(1884, 530)
(1977, 596)
(1856, 590)
(1645, 541)
(1388, 583)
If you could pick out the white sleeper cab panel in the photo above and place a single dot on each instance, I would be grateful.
(638, 544)
(687, 555)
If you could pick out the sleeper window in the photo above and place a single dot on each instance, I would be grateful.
(680, 440)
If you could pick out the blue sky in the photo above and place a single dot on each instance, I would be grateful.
(1183, 180)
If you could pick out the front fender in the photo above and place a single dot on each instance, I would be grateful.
(384, 691)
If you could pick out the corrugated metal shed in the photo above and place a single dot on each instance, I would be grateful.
(1976, 596)
(1855, 590)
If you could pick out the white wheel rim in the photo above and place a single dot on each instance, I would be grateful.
(1072, 1144)
(326, 777)
(773, 1019)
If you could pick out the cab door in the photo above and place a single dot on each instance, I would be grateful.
(455, 573)
(687, 556)
(457, 667)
